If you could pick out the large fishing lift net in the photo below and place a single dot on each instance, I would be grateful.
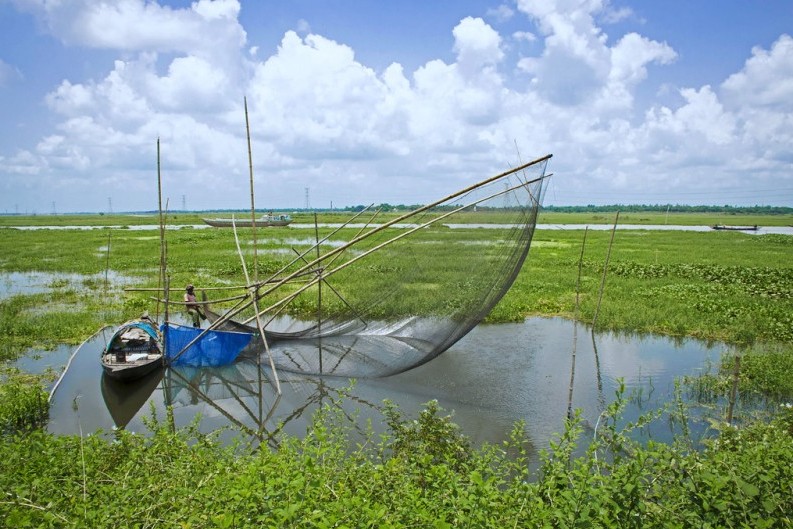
(387, 296)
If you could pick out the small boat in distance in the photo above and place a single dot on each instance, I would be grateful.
(735, 228)
(263, 221)
(134, 350)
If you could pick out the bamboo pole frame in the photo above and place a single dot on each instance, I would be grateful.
(390, 241)
(276, 282)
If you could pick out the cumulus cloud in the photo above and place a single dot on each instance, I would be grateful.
(766, 80)
(321, 118)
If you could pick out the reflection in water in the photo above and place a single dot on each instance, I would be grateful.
(242, 395)
(124, 400)
(493, 377)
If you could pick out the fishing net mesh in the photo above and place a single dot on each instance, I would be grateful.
(375, 301)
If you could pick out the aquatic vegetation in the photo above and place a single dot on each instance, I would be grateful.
(761, 374)
(23, 401)
(420, 473)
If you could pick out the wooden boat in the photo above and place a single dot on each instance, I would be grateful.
(134, 350)
(264, 221)
(735, 228)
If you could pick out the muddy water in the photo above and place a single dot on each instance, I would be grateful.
(495, 376)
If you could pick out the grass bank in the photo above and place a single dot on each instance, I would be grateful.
(422, 472)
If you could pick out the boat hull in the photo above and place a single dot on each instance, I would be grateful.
(735, 228)
(129, 371)
(283, 220)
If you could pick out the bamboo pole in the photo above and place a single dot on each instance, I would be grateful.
(415, 212)
(319, 291)
(107, 261)
(575, 327)
(338, 294)
(239, 307)
(256, 309)
(235, 287)
(282, 281)
(363, 228)
(165, 332)
(253, 204)
(274, 277)
(605, 271)
(736, 375)
(184, 303)
(161, 278)
(388, 242)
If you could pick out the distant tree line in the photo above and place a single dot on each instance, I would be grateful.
(628, 208)
(676, 208)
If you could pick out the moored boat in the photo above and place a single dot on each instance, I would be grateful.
(134, 350)
(265, 221)
(735, 228)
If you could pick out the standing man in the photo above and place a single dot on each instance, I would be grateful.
(193, 309)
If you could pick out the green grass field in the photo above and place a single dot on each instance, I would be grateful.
(422, 472)
(546, 217)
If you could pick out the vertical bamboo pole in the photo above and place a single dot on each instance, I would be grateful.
(256, 309)
(575, 328)
(605, 270)
(734, 390)
(319, 293)
(165, 328)
(107, 260)
(253, 203)
(161, 278)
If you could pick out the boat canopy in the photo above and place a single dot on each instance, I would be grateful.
(144, 325)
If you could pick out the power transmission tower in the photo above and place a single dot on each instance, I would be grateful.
(109, 205)
(308, 201)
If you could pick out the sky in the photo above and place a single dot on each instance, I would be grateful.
(358, 102)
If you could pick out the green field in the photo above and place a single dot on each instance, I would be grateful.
(712, 285)
(546, 217)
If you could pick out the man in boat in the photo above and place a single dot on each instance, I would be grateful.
(193, 309)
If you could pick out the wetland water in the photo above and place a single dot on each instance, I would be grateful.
(763, 230)
(493, 377)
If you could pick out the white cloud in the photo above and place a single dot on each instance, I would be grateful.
(766, 80)
(477, 45)
(502, 13)
(701, 119)
(612, 16)
(526, 36)
(321, 118)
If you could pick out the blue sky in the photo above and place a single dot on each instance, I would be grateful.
(402, 102)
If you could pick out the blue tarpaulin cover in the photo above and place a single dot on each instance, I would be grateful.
(215, 348)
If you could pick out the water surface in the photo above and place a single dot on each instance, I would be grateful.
(495, 376)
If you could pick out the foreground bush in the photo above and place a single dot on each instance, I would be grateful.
(423, 473)
(23, 401)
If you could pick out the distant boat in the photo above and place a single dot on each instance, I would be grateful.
(263, 221)
(735, 228)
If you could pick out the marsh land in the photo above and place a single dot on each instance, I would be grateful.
(726, 287)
